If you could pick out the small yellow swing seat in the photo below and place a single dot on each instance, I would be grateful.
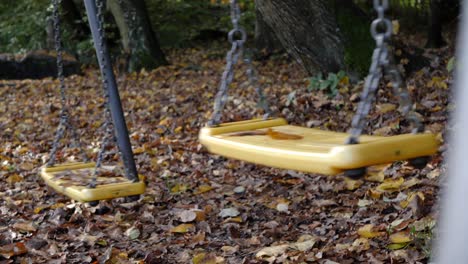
(274, 143)
(72, 180)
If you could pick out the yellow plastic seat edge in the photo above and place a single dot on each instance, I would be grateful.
(101, 192)
(293, 160)
(242, 126)
(385, 150)
(69, 166)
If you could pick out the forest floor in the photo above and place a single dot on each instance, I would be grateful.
(203, 208)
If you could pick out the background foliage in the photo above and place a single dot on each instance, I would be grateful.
(22, 25)
(177, 22)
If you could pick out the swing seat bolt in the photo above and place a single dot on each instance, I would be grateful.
(419, 163)
(356, 174)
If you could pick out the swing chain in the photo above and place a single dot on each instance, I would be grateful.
(237, 37)
(108, 124)
(253, 79)
(382, 62)
(232, 58)
(65, 122)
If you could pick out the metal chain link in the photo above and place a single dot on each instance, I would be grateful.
(382, 62)
(237, 37)
(65, 122)
(108, 123)
(253, 80)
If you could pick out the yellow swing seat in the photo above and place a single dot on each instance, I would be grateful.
(274, 143)
(72, 179)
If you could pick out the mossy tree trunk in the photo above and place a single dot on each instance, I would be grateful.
(307, 30)
(354, 25)
(139, 41)
(265, 38)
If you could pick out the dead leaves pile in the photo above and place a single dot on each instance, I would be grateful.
(201, 208)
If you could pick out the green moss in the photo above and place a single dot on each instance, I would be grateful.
(357, 39)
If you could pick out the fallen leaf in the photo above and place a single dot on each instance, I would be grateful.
(390, 185)
(410, 183)
(204, 258)
(364, 203)
(14, 178)
(187, 216)
(179, 188)
(374, 193)
(198, 238)
(27, 166)
(352, 185)
(282, 136)
(435, 173)
(25, 226)
(397, 246)
(12, 250)
(425, 223)
(41, 208)
(248, 133)
(282, 207)
(400, 237)
(182, 228)
(229, 212)
(274, 251)
(368, 231)
(376, 173)
(203, 189)
(236, 219)
(360, 244)
(410, 198)
(384, 108)
(200, 215)
(399, 224)
(133, 233)
(229, 250)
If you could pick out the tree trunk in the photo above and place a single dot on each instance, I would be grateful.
(72, 16)
(354, 25)
(265, 38)
(434, 38)
(139, 41)
(307, 30)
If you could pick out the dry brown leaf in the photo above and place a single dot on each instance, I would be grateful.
(187, 216)
(390, 185)
(352, 185)
(384, 108)
(400, 237)
(203, 189)
(11, 250)
(182, 228)
(24, 226)
(282, 136)
(368, 231)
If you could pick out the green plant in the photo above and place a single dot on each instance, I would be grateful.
(22, 25)
(329, 85)
(451, 64)
(423, 239)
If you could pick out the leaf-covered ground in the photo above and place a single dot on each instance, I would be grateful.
(202, 208)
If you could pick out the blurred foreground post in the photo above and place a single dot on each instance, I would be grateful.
(453, 244)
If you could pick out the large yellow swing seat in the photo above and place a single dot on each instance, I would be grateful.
(72, 179)
(274, 143)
